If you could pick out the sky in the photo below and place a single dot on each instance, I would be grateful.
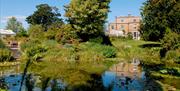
(23, 8)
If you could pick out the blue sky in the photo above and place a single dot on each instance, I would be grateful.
(23, 8)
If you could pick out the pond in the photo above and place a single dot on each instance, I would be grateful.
(120, 77)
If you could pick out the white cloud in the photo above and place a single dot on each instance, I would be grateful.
(20, 18)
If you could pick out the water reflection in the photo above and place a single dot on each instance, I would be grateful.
(124, 77)
(120, 77)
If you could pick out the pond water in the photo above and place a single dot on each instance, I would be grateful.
(120, 77)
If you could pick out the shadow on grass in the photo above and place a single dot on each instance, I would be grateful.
(150, 45)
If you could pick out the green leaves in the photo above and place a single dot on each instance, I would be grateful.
(87, 17)
(157, 15)
(45, 15)
(5, 55)
(14, 25)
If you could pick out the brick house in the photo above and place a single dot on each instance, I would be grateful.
(124, 25)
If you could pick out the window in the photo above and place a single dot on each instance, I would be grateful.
(134, 20)
(134, 27)
(122, 27)
(112, 27)
(122, 20)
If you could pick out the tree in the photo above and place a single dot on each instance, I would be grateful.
(22, 33)
(45, 15)
(14, 25)
(36, 31)
(171, 40)
(87, 17)
(157, 15)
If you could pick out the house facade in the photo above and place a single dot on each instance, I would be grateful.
(124, 25)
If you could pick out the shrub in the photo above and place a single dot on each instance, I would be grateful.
(2, 44)
(5, 55)
(171, 41)
(109, 52)
(22, 33)
(129, 35)
(37, 49)
(35, 52)
(104, 50)
(66, 35)
(53, 30)
(36, 31)
(97, 40)
(28, 44)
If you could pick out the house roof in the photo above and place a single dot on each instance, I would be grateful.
(7, 32)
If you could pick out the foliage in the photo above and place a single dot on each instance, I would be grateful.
(36, 31)
(34, 49)
(96, 40)
(5, 55)
(45, 15)
(87, 18)
(171, 41)
(129, 35)
(103, 50)
(157, 15)
(66, 34)
(109, 52)
(52, 30)
(14, 25)
(22, 33)
(3, 89)
(2, 45)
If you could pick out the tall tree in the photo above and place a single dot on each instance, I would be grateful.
(157, 15)
(45, 15)
(14, 25)
(87, 17)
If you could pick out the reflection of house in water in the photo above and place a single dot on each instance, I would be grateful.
(126, 70)
(125, 77)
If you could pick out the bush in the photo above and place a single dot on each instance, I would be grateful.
(129, 35)
(36, 31)
(171, 40)
(28, 44)
(109, 52)
(34, 49)
(104, 50)
(5, 55)
(53, 30)
(35, 52)
(2, 44)
(96, 40)
(66, 35)
(22, 33)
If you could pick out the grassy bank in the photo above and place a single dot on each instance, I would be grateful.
(165, 71)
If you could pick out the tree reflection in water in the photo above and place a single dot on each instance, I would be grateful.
(123, 78)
